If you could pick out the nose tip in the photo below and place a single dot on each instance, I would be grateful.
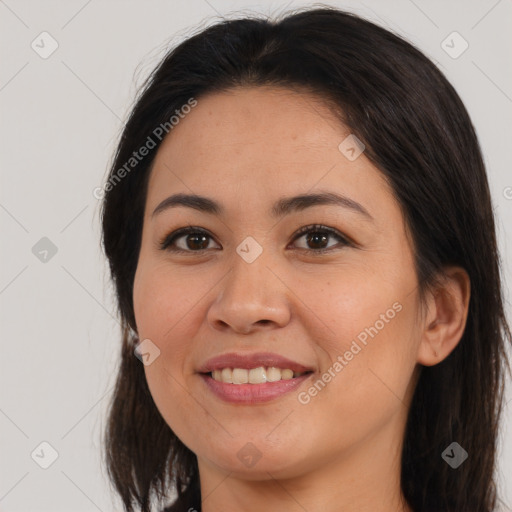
(250, 299)
(247, 317)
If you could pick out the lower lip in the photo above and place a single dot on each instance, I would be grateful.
(253, 393)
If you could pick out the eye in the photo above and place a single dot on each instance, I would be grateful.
(318, 236)
(196, 240)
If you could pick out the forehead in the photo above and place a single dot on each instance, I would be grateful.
(245, 118)
(260, 142)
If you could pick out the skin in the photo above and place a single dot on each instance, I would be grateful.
(246, 148)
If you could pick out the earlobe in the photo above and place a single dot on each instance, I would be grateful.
(445, 321)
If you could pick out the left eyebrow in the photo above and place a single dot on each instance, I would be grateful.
(288, 205)
(282, 207)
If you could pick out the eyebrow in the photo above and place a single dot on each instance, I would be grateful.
(282, 207)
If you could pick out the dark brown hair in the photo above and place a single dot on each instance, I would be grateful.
(419, 135)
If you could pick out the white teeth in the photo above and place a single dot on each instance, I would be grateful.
(226, 375)
(240, 376)
(258, 375)
(273, 374)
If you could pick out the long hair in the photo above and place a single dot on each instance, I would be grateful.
(419, 135)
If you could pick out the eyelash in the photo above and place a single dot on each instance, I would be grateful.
(314, 228)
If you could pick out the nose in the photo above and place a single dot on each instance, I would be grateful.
(251, 297)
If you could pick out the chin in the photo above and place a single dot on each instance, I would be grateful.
(252, 463)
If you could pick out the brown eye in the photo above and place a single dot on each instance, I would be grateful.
(317, 238)
(198, 241)
(188, 239)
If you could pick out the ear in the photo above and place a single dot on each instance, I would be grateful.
(445, 319)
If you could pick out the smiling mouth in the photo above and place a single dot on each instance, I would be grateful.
(259, 375)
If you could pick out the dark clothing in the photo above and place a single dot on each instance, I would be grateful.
(190, 501)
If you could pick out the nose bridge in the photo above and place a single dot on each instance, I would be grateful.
(250, 294)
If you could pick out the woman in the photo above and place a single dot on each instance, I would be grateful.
(300, 232)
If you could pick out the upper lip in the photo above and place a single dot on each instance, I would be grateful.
(249, 361)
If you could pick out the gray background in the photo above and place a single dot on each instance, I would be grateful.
(60, 119)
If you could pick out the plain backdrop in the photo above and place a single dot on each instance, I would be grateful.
(61, 115)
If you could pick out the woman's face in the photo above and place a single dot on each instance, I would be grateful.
(248, 291)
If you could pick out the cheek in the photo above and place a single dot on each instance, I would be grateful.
(361, 305)
(372, 341)
(164, 302)
(363, 385)
(166, 306)
(168, 311)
